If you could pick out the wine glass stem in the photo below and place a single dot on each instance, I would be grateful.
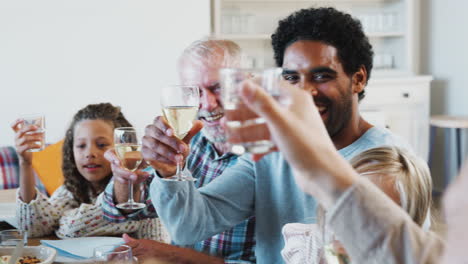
(130, 192)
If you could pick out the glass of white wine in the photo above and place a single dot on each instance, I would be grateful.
(180, 105)
(128, 150)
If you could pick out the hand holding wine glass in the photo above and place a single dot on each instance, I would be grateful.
(128, 150)
(123, 177)
(180, 105)
(161, 149)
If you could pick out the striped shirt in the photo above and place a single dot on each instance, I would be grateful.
(234, 245)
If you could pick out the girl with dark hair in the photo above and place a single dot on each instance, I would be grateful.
(74, 210)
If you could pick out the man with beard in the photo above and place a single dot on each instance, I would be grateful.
(207, 156)
(321, 50)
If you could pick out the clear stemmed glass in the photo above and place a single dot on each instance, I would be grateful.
(331, 251)
(128, 150)
(334, 252)
(113, 254)
(180, 105)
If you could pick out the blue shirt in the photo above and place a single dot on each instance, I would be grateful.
(265, 189)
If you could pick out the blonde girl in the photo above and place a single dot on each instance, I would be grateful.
(402, 176)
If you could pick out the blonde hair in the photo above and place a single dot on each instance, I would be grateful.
(410, 176)
(210, 50)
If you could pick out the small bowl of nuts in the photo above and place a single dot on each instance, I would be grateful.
(30, 255)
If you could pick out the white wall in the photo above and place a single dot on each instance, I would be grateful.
(444, 44)
(57, 56)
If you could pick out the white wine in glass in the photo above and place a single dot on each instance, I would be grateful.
(128, 150)
(180, 118)
(129, 155)
(180, 105)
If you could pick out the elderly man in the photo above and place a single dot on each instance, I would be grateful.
(323, 51)
(207, 155)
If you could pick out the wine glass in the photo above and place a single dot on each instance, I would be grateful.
(238, 115)
(128, 150)
(334, 252)
(113, 254)
(331, 251)
(180, 105)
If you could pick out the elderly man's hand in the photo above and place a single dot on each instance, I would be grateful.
(162, 149)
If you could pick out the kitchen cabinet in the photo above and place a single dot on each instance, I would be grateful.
(402, 105)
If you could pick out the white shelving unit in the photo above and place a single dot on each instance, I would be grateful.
(401, 104)
(389, 24)
(396, 97)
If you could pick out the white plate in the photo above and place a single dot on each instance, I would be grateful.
(82, 247)
(45, 254)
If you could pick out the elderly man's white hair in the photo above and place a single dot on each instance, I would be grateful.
(210, 50)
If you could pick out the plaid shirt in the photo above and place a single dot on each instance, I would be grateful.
(234, 245)
(9, 170)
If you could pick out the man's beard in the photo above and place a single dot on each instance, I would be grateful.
(340, 114)
(215, 134)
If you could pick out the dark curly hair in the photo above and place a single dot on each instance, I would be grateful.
(331, 27)
(74, 181)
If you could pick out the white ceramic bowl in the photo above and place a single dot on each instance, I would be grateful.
(45, 254)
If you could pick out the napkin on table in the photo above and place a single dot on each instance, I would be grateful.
(82, 247)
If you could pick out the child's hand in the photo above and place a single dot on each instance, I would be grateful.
(120, 173)
(25, 142)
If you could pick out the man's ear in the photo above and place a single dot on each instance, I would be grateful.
(359, 80)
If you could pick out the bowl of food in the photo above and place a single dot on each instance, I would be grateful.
(39, 255)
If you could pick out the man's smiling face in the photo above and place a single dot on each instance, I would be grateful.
(206, 76)
(315, 66)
